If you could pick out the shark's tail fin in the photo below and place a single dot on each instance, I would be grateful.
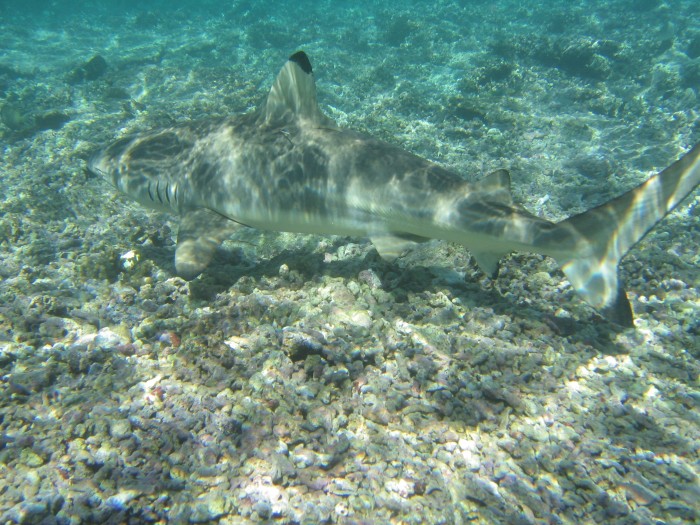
(609, 231)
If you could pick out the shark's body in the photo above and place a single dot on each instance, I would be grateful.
(288, 167)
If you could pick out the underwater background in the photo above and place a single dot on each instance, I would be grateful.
(301, 379)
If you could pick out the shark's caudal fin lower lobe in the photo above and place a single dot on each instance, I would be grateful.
(609, 231)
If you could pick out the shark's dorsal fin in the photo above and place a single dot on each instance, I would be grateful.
(293, 94)
(497, 185)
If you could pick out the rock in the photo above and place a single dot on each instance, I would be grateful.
(360, 318)
(30, 458)
(404, 488)
(50, 120)
(31, 484)
(121, 500)
(370, 278)
(639, 494)
(13, 115)
(29, 512)
(342, 487)
(263, 509)
(120, 429)
(300, 345)
(210, 507)
(303, 457)
(106, 338)
(93, 69)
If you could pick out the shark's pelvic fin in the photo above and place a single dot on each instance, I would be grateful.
(200, 233)
(293, 95)
(494, 188)
(609, 231)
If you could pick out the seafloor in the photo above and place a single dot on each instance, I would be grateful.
(302, 379)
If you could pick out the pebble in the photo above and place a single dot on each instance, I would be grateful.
(106, 338)
(212, 506)
(472, 461)
(120, 429)
(29, 512)
(30, 458)
(404, 488)
(121, 500)
(303, 458)
(536, 432)
(690, 514)
(361, 318)
(342, 487)
(32, 482)
(370, 278)
(639, 494)
(263, 509)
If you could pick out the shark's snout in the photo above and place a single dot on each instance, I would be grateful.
(104, 162)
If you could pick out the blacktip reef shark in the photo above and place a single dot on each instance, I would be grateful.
(288, 167)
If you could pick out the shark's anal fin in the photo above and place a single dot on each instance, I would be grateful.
(390, 246)
(201, 232)
(488, 262)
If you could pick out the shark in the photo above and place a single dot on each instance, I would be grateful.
(286, 166)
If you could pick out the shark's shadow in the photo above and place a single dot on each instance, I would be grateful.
(397, 279)
(489, 392)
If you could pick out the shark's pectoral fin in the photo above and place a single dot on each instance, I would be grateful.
(488, 262)
(201, 231)
(390, 246)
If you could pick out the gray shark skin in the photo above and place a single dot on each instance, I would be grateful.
(288, 167)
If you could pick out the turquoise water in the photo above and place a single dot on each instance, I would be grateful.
(301, 379)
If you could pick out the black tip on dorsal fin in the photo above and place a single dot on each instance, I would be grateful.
(293, 94)
(303, 61)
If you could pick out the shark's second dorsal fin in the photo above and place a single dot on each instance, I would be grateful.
(293, 95)
(497, 185)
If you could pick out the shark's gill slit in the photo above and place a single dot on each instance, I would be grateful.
(167, 192)
(160, 199)
(150, 193)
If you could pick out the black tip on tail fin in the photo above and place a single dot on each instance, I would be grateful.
(620, 311)
(605, 234)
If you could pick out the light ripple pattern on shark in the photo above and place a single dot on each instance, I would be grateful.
(288, 167)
